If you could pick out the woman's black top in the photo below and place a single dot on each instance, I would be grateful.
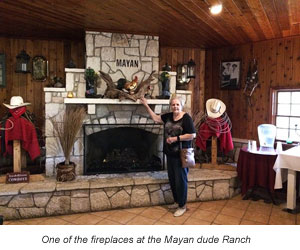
(173, 128)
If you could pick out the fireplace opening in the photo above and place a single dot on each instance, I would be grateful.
(122, 148)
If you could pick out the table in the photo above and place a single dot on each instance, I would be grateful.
(256, 169)
(286, 165)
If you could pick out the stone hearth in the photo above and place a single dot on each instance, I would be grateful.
(106, 192)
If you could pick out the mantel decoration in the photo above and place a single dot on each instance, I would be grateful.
(91, 78)
(117, 92)
(58, 82)
(230, 74)
(66, 132)
(165, 82)
(71, 64)
(22, 65)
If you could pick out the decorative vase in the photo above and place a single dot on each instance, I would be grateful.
(90, 88)
(91, 91)
(65, 172)
(58, 82)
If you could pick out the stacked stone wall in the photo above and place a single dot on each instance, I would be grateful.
(106, 192)
(123, 56)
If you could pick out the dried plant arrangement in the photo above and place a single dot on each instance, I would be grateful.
(66, 131)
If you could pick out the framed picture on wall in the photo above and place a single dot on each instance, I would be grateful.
(39, 68)
(2, 71)
(230, 74)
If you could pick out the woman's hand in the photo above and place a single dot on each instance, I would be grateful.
(171, 140)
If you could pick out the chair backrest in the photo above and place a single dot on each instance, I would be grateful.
(266, 135)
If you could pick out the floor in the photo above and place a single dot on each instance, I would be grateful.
(235, 211)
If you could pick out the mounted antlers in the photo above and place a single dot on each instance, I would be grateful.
(251, 81)
(113, 93)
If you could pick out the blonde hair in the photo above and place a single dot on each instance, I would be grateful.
(179, 98)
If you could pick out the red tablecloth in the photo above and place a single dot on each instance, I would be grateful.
(256, 170)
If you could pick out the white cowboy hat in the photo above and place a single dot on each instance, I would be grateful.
(16, 102)
(215, 108)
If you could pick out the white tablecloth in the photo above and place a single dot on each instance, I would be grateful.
(286, 166)
(289, 159)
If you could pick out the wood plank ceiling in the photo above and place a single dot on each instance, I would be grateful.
(178, 23)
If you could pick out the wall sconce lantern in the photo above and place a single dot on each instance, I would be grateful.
(22, 65)
(184, 74)
(191, 69)
(181, 77)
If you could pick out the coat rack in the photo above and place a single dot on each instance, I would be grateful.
(19, 157)
(214, 155)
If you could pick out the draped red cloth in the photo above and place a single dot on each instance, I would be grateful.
(256, 170)
(22, 130)
(205, 132)
(17, 112)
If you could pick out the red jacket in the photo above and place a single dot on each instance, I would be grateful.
(24, 131)
(205, 132)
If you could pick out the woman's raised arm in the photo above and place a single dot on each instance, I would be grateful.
(154, 116)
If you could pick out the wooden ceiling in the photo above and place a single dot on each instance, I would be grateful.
(178, 23)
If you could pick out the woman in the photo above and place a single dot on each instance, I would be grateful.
(179, 128)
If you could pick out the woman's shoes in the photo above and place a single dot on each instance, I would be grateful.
(180, 211)
(173, 206)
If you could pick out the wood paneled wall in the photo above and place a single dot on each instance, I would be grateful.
(278, 66)
(175, 56)
(58, 53)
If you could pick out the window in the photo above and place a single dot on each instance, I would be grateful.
(287, 115)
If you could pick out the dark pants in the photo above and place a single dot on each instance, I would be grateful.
(178, 180)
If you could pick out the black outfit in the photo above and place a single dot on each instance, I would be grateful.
(177, 175)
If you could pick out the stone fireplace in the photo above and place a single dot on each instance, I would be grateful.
(101, 115)
(121, 56)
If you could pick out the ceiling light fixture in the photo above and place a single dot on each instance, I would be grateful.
(216, 9)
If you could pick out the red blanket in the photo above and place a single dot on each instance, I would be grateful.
(24, 131)
(205, 132)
